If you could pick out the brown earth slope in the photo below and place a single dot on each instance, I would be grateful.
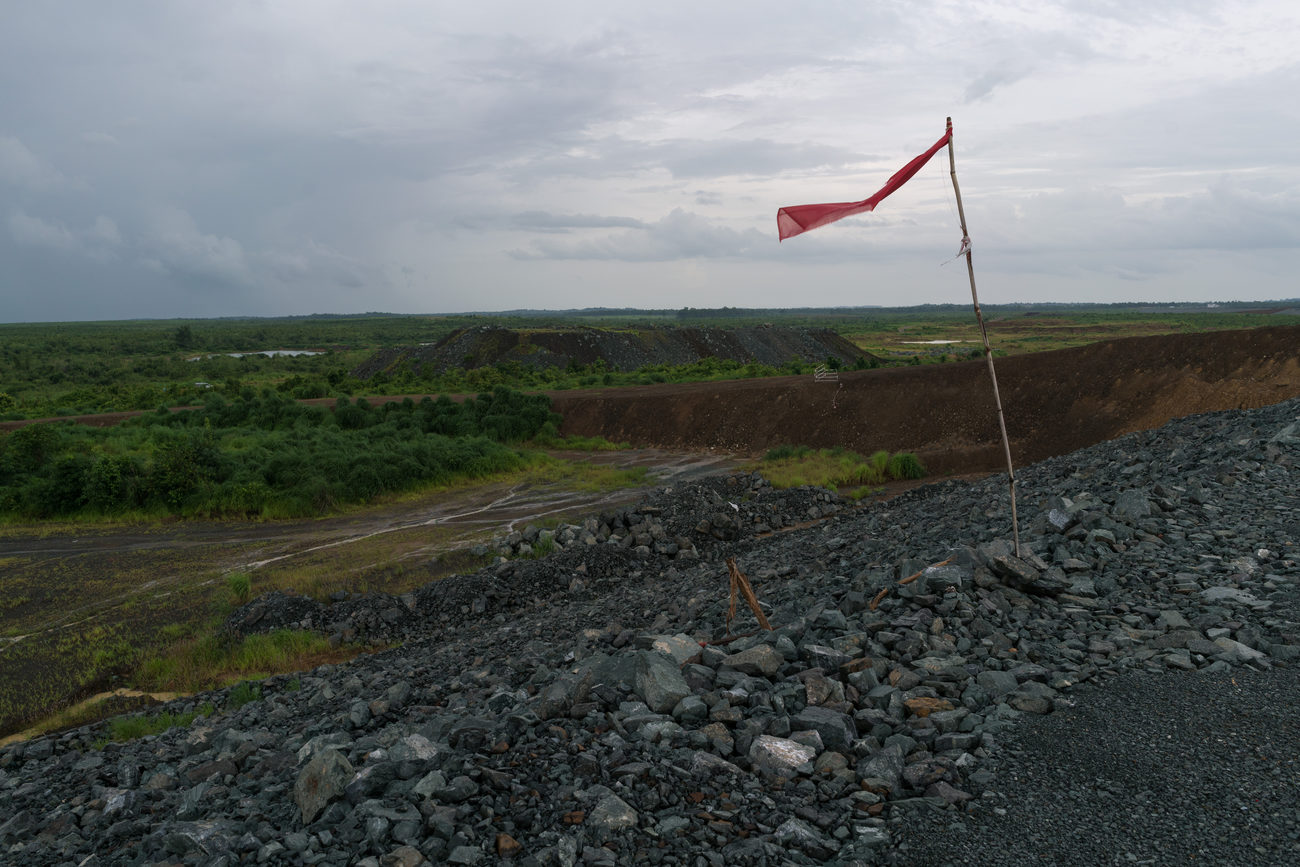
(1055, 402)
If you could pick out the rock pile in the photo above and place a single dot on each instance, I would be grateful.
(618, 349)
(672, 524)
(590, 707)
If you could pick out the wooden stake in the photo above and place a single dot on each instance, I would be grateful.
(738, 579)
(988, 351)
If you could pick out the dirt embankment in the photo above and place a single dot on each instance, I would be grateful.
(1054, 402)
(624, 349)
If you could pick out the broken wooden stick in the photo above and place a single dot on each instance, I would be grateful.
(738, 579)
(910, 578)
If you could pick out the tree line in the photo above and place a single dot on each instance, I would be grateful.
(263, 455)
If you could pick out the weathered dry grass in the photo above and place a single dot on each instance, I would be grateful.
(88, 607)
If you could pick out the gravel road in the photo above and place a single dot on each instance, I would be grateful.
(1170, 768)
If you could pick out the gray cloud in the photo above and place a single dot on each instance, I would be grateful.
(544, 221)
(209, 159)
(679, 235)
(1003, 73)
(20, 167)
(35, 232)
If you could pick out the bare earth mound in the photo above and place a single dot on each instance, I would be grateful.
(627, 349)
(1055, 402)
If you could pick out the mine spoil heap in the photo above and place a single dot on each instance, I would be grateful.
(618, 349)
(590, 706)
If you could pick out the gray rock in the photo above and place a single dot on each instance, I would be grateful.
(1132, 505)
(997, 683)
(1233, 594)
(947, 792)
(836, 729)
(762, 659)
(465, 855)
(612, 813)
(708, 763)
(691, 709)
(1061, 519)
(779, 755)
(1236, 652)
(804, 836)
(659, 682)
(321, 781)
(883, 770)
(1014, 570)
(403, 856)
(938, 578)
(1171, 618)
(680, 647)
(825, 658)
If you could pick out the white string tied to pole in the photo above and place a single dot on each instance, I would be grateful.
(988, 350)
(965, 248)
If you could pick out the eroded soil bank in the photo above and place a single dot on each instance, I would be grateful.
(1054, 402)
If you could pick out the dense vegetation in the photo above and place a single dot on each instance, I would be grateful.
(404, 380)
(263, 455)
(52, 369)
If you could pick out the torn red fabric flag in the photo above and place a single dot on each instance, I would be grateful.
(797, 219)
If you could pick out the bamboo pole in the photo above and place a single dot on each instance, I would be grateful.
(988, 350)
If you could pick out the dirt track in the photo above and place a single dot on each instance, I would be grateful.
(1055, 402)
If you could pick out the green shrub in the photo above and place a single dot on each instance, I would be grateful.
(245, 693)
(905, 465)
(785, 452)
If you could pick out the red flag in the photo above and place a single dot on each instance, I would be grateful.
(797, 219)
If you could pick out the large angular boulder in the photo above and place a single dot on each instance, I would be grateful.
(659, 682)
(321, 781)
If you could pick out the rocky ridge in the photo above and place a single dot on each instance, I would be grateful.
(590, 706)
(618, 349)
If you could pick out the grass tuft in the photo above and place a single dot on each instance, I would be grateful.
(211, 660)
(542, 547)
(793, 466)
(129, 728)
(241, 587)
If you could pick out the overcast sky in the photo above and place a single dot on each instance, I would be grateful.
(163, 159)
